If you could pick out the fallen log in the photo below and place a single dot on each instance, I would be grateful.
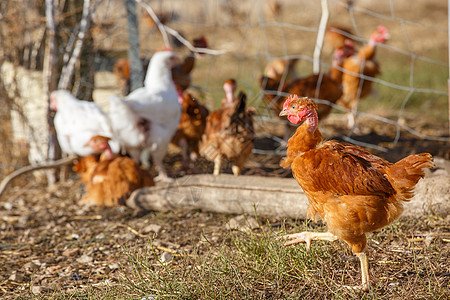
(225, 193)
(268, 196)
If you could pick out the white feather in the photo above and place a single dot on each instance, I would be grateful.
(76, 121)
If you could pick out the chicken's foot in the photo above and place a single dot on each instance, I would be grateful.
(363, 258)
(162, 173)
(352, 124)
(236, 170)
(307, 237)
(217, 165)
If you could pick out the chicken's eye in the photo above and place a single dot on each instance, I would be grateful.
(293, 106)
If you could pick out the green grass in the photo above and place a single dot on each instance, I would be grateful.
(211, 72)
(257, 266)
(397, 70)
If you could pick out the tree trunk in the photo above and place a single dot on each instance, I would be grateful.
(136, 72)
(51, 83)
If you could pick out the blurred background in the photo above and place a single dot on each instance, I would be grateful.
(406, 112)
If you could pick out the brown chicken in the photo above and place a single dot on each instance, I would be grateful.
(281, 68)
(181, 72)
(85, 167)
(352, 190)
(110, 179)
(320, 86)
(121, 70)
(229, 134)
(336, 37)
(229, 87)
(190, 129)
(361, 64)
(149, 23)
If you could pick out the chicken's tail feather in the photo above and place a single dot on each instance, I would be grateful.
(238, 119)
(405, 174)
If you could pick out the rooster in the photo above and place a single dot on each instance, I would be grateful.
(110, 179)
(190, 129)
(352, 190)
(148, 117)
(229, 134)
(363, 63)
(76, 121)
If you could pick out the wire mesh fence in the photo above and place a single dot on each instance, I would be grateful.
(243, 36)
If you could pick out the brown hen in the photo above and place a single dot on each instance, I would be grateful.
(229, 134)
(358, 66)
(181, 72)
(229, 87)
(190, 129)
(110, 179)
(319, 86)
(352, 190)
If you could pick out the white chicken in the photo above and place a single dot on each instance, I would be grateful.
(153, 114)
(76, 121)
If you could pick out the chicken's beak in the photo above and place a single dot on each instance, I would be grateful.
(283, 113)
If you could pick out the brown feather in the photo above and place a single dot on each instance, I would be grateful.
(229, 133)
(191, 127)
(109, 181)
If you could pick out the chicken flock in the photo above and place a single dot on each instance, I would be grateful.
(344, 84)
(143, 123)
(352, 190)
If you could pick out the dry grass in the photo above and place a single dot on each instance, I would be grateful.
(256, 266)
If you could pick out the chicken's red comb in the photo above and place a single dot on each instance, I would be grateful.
(230, 81)
(381, 29)
(289, 100)
(202, 39)
(349, 43)
(165, 48)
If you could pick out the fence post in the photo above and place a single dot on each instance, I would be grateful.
(136, 72)
(320, 36)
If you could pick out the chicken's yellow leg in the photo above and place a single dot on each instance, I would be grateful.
(217, 164)
(307, 237)
(364, 270)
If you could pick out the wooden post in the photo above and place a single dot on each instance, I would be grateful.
(320, 36)
(136, 72)
(50, 84)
